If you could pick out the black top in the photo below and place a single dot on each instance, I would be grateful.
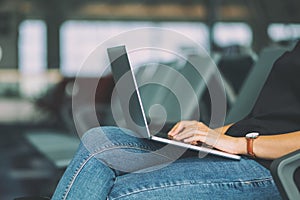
(277, 109)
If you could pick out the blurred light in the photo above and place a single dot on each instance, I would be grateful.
(78, 38)
(279, 32)
(32, 46)
(226, 34)
(32, 56)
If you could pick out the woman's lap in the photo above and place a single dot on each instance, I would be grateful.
(198, 178)
(165, 176)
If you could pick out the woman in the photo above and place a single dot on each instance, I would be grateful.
(112, 163)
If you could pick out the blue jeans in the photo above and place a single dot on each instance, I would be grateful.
(113, 164)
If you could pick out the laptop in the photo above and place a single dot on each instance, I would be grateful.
(132, 105)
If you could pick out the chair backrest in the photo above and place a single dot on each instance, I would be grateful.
(191, 83)
(235, 69)
(254, 83)
(153, 81)
(169, 90)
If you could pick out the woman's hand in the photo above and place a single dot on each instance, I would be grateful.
(193, 132)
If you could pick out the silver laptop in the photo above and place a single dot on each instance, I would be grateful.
(132, 106)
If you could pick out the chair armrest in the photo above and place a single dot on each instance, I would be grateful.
(283, 170)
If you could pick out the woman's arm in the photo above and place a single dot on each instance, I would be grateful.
(266, 147)
(275, 146)
(223, 129)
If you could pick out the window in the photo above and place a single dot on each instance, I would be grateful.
(32, 57)
(227, 34)
(32, 46)
(79, 38)
(279, 32)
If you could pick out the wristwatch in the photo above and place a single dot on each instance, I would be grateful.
(250, 137)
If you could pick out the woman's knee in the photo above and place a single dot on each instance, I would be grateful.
(107, 136)
(99, 136)
(97, 132)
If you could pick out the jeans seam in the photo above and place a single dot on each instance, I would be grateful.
(71, 181)
(90, 156)
(267, 179)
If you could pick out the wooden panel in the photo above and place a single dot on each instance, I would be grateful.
(142, 11)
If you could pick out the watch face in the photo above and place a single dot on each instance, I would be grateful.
(252, 135)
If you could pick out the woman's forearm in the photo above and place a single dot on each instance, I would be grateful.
(223, 129)
(266, 147)
(271, 146)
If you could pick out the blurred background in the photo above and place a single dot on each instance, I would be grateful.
(43, 44)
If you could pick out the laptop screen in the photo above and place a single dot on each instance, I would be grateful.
(126, 88)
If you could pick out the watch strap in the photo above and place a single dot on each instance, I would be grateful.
(250, 147)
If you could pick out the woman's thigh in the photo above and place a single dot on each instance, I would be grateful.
(198, 178)
(124, 151)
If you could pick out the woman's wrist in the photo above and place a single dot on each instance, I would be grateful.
(234, 145)
(241, 145)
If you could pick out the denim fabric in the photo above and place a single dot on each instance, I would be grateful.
(113, 164)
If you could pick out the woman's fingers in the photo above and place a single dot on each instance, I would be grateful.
(190, 132)
(195, 139)
(192, 136)
(173, 131)
(176, 129)
(179, 127)
(193, 132)
(184, 134)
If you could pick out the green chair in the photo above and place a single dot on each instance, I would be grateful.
(284, 173)
(254, 83)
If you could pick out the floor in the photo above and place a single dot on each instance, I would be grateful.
(27, 133)
(24, 171)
